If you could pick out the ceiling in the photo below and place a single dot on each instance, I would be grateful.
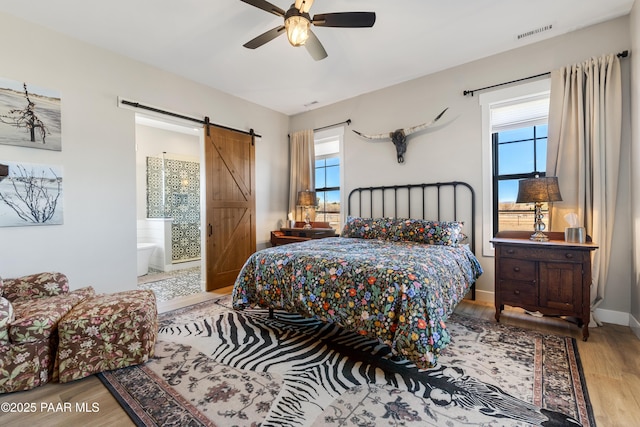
(202, 40)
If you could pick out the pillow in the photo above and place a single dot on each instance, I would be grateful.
(367, 228)
(446, 233)
(6, 318)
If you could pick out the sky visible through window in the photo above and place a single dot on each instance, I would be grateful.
(327, 176)
(517, 154)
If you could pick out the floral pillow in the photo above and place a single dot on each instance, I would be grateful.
(6, 317)
(367, 228)
(38, 285)
(446, 233)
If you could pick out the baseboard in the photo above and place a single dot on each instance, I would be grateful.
(606, 316)
(635, 325)
(182, 265)
(615, 317)
(485, 296)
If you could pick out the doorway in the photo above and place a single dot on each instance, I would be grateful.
(168, 205)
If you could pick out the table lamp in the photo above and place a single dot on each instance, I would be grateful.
(539, 190)
(306, 199)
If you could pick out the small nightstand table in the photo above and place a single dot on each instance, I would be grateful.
(285, 235)
(553, 278)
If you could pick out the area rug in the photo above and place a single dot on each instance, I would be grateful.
(215, 366)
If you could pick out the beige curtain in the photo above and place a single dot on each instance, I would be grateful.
(585, 121)
(302, 175)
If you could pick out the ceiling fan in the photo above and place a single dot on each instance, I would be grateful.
(297, 23)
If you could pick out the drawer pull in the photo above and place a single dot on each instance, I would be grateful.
(516, 269)
(516, 292)
(569, 255)
(511, 251)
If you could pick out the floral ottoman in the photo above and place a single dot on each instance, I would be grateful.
(107, 332)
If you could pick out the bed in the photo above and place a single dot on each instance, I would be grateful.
(391, 275)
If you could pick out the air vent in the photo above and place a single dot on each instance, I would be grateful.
(536, 31)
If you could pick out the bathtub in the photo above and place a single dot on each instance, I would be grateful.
(145, 250)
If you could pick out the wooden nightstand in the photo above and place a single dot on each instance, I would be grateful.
(553, 278)
(319, 230)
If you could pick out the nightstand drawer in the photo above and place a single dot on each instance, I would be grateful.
(517, 292)
(542, 253)
(513, 251)
(517, 269)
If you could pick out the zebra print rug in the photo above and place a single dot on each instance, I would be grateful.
(218, 367)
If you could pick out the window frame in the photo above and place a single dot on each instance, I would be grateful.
(497, 177)
(326, 135)
(487, 101)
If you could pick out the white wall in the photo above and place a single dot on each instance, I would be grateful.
(452, 151)
(635, 165)
(97, 243)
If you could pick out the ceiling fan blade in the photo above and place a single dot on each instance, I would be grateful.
(345, 19)
(314, 47)
(265, 37)
(266, 6)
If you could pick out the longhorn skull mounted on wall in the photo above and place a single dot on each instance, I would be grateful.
(399, 136)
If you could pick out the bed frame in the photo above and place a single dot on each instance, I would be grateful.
(441, 201)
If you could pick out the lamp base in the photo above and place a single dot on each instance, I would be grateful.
(539, 236)
(538, 225)
(307, 220)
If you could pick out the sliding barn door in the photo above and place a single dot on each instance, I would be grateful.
(230, 204)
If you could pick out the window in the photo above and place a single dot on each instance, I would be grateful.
(514, 146)
(328, 190)
(517, 154)
(328, 176)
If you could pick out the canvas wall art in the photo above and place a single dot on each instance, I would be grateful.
(29, 116)
(30, 194)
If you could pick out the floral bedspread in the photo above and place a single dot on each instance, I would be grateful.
(399, 292)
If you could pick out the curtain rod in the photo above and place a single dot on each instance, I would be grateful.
(348, 122)
(204, 121)
(622, 54)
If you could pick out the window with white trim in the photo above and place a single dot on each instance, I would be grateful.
(514, 147)
(329, 176)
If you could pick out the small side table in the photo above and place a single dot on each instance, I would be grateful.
(551, 277)
(293, 235)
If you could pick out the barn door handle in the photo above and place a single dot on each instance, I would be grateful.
(210, 230)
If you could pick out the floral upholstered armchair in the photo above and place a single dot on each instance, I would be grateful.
(30, 308)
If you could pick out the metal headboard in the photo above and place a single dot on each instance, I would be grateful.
(441, 201)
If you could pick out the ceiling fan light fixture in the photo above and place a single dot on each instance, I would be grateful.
(297, 27)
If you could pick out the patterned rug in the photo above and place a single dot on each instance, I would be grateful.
(173, 284)
(218, 367)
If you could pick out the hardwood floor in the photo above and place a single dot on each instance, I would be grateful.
(610, 358)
